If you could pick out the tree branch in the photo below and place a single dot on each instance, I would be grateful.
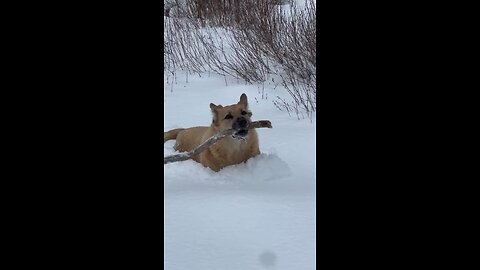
(215, 138)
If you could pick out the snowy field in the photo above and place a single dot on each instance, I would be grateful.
(258, 215)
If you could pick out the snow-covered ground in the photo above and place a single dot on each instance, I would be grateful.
(258, 215)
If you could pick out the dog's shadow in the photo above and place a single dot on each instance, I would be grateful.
(264, 167)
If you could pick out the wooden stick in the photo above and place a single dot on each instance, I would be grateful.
(215, 138)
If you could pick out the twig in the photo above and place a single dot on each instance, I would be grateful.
(215, 138)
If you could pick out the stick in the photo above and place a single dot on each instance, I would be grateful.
(215, 138)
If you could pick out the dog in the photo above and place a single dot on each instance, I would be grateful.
(231, 150)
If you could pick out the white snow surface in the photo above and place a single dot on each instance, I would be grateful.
(257, 215)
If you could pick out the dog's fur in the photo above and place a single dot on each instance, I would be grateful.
(228, 151)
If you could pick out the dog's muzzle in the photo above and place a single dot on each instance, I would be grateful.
(241, 127)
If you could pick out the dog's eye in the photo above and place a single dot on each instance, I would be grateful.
(228, 116)
(244, 112)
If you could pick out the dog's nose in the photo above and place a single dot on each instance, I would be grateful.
(242, 122)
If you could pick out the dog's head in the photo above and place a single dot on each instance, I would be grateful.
(236, 116)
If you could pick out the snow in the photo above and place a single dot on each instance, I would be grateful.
(258, 215)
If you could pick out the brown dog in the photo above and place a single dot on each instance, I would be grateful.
(228, 151)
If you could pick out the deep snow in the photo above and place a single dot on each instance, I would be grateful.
(258, 215)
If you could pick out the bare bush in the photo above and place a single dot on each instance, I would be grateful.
(280, 41)
(262, 41)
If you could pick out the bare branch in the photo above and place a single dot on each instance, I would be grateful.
(215, 138)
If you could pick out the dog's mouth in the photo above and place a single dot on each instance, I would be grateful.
(240, 134)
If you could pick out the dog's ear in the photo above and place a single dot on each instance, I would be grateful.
(243, 100)
(214, 108)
